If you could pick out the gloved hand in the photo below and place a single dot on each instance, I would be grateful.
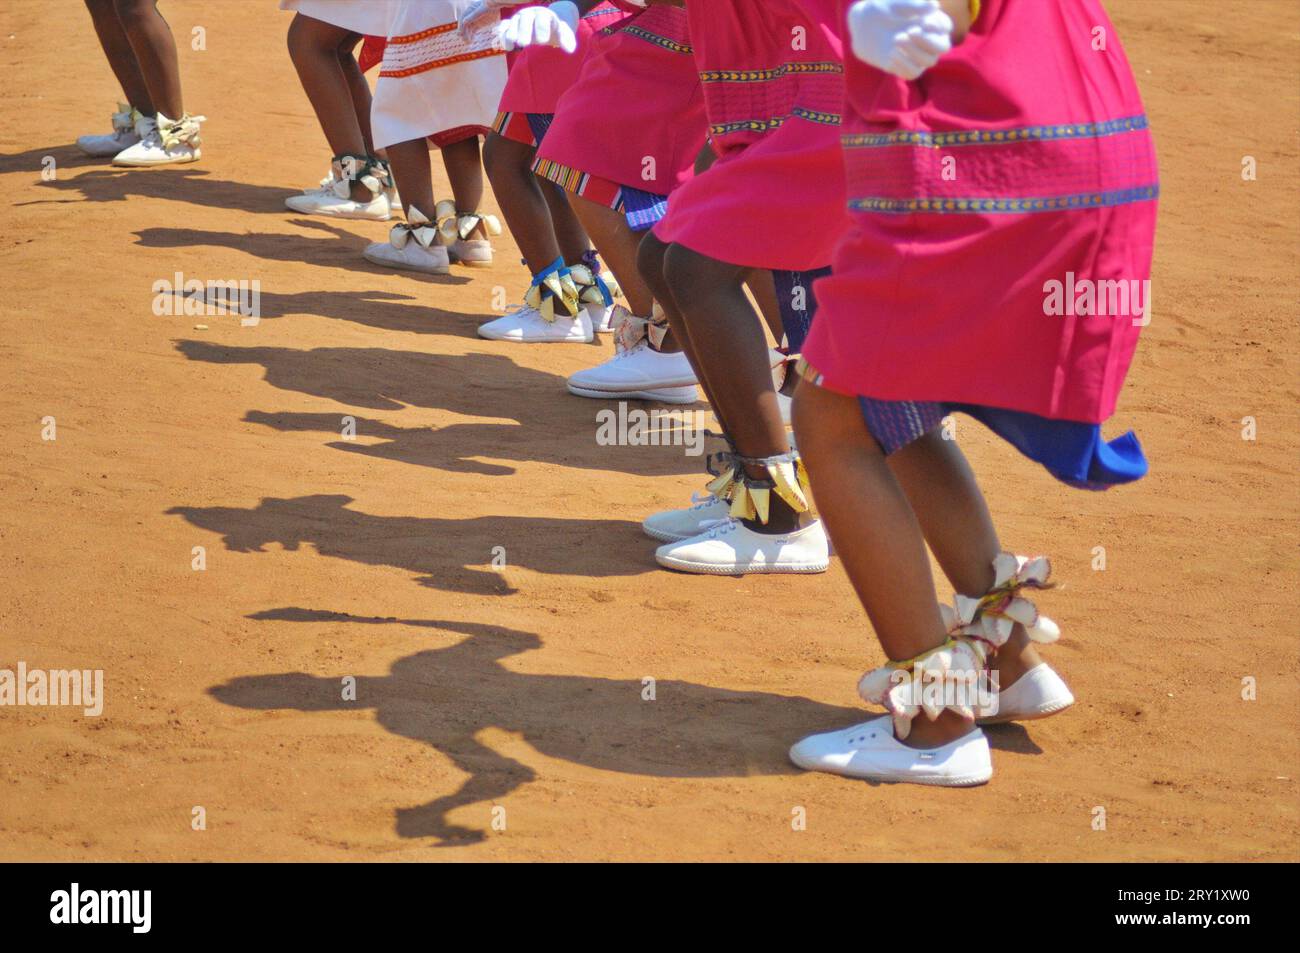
(556, 25)
(903, 37)
(478, 15)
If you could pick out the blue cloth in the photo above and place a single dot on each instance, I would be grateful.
(1073, 452)
(794, 295)
(643, 209)
(539, 123)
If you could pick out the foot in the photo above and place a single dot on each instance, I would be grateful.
(328, 202)
(731, 548)
(870, 751)
(671, 526)
(661, 395)
(475, 252)
(412, 246)
(1039, 693)
(526, 325)
(638, 368)
(122, 137)
(163, 141)
(602, 318)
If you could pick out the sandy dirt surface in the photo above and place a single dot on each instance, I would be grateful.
(521, 688)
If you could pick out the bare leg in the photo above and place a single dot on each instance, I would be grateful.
(569, 232)
(519, 192)
(956, 522)
(763, 288)
(359, 90)
(650, 263)
(618, 246)
(117, 50)
(465, 170)
(155, 52)
(315, 47)
(413, 174)
(716, 326)
(876, 534)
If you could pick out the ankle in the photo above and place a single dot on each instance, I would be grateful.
(948, 727)
(1015, 658)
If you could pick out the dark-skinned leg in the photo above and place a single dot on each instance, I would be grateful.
(956, 522)
(358, 89)
(121, 57)
(413, 174)
(464, 167)
(876, 534)
(651, 256)
(569, 233)
(509, 166)
(619, 247)
(155, 53)
(727, 340)
(314, 48)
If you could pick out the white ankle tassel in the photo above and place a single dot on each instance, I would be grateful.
(947, 676)
(417, 226)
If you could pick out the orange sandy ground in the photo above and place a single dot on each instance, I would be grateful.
(522, 688)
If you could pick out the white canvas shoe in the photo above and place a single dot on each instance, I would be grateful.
(662, 395)
(474, 252)
(412, 246)
(602, 317)
(730, 548)
(122, 137)
(333, 205)
(525, 325)
(638, 368)
(671, 526)
(1039, 693)
(163, 141)
(870, 751)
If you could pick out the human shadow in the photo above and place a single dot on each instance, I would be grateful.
(335, 247)
(179, 183)
(531, 415)
(441, 553)
(374, 309)
(446, 697)
(66, 156)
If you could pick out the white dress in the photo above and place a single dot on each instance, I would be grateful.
(431, 80)
(367, 17)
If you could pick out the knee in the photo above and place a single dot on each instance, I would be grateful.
(132, 12)
(808, 416)
(496, 159)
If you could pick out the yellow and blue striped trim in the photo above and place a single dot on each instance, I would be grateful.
(649, 37)
(767, 125)
(968, 206)
(767, 75)
(985, 137)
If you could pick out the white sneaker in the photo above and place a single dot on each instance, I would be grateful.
(871, 751)
(602, 317)
(526, 325)
(163, 141)
(671, 526)
(1038, 693)
(475, 252)
(412, 246)
(638, 368)
(328, 202)
(122, 137)
(730, 548)
(662, 395)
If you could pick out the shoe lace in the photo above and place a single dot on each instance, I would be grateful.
(713, 529)
(700, 501)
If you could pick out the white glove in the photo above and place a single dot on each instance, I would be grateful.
(556, 25)
(903, 37)
(478, 15)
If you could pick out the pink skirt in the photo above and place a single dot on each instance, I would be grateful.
(775, 196)
(540, 75)
(1003, 215)
(635, 116)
